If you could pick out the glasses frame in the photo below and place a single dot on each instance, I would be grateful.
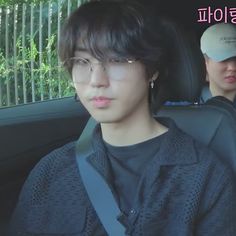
(119, 60)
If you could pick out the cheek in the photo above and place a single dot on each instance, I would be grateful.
(132, 91)
(215, 70)
(117, 74)
(80, 90)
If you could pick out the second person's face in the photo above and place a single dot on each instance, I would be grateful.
(222, 76)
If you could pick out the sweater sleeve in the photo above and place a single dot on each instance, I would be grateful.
(220, 217)
(35, 188)
(32, 189)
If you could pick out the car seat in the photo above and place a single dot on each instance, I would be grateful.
(213, 123)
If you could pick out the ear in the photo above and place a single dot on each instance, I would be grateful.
(155, 76)
(206, 63)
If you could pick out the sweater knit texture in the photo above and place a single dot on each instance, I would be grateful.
(185, 190)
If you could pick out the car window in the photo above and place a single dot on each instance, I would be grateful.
(29, 66)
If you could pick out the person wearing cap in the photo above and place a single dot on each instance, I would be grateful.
(218, 45)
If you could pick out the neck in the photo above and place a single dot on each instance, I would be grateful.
(132, 131)
(219, 92)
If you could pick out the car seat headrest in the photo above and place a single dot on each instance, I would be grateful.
(186, 72)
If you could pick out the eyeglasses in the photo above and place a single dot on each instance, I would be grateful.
(115, 68)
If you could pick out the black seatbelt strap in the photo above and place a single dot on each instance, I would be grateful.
(98, 190)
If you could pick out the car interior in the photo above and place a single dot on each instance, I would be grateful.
(30, 131)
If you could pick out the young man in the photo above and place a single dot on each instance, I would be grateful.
(164, 182)
(218, 44)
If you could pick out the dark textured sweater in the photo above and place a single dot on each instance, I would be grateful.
(184, 190)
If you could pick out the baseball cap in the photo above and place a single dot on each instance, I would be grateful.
(218, 41)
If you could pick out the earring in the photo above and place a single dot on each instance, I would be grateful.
(152, 84)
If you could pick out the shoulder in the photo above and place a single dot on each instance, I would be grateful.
(60, 156)
(183, 149)
(203, 167)
(209, 168)
(57, 159)
(205, 156)
(55, 165)
(52, 190)
(208, 159)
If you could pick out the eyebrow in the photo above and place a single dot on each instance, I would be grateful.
(81, 49)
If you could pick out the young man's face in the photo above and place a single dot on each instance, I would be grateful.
(222, 76)
(114, 93)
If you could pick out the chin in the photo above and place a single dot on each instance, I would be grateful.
(106, 119)
(102, 118)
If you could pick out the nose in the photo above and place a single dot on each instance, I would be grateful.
(232, 64)
(98, 76)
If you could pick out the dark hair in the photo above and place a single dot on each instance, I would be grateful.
(125, 28)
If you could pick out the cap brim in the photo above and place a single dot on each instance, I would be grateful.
(221, 56)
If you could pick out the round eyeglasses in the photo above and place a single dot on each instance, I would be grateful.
(115, 68)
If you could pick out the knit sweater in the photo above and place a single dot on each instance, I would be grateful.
(184, 190)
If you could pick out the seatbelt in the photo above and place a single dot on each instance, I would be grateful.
(98, 190)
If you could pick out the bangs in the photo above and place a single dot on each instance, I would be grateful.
(107, 35)
(102, 44)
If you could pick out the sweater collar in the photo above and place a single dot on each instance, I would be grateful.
(177, 148)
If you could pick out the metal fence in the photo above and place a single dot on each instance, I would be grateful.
(29, 67)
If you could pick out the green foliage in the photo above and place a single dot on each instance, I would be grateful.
(12, 2)
(26, 74)
(46, 79)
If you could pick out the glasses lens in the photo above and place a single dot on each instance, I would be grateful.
(117, 69)
(81, 69)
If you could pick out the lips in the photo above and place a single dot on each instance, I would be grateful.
(101, 102)
(230, 79)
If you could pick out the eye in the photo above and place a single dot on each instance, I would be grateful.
(120, 60)
(79, 61)
(117, 60)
